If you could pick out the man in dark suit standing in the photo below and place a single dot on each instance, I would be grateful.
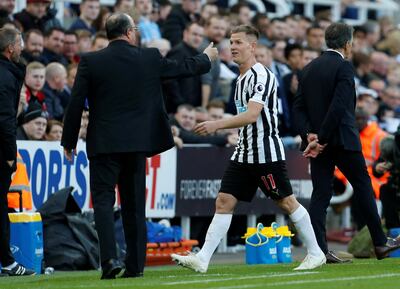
(12, 76)
(127, 122)
(323, 113)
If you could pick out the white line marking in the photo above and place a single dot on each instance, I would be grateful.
(297, 282)
(241, 278)
(197, 275)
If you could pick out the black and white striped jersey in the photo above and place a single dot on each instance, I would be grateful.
(259, 142)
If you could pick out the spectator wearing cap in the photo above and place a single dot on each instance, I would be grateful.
(37, 15)
(54, 46)
(34, 44)
(56, 79)
(34, 123)
(367, 100)
(89, 11)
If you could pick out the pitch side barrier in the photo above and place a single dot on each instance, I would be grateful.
(199, 172)
(179, 183)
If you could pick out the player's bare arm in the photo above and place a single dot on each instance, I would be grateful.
(240, 120)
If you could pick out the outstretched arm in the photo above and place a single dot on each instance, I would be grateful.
(190, 66)
(240, 120)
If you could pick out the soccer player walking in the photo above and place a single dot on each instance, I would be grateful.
(259, 158)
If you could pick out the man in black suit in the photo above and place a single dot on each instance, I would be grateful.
(12, 76)
(323, 113)
(127, 122)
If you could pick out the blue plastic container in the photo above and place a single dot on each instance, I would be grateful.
(252, 248)
(268, 252)
(260, 246)
(394, 233)
(283, 248)
(26, 239)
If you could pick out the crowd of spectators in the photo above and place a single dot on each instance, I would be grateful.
(52, 52)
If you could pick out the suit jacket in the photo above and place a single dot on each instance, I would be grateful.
(126, 109)
(11, 79)
(325, 102)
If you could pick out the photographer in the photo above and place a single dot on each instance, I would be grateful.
(389, 162)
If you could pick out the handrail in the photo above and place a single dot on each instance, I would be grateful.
(348, 192)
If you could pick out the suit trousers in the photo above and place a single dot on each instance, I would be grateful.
(6, 257)
(352, 165)
(128, 171)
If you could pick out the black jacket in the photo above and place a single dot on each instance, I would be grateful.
(186, 90)
(325, 102)
(11, 79)
(28, 21)
(53, 102)
(126, 109)
(49, 56)
(175, 25)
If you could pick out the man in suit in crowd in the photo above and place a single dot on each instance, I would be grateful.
(127, 122)
(324, 116)
(12, 76)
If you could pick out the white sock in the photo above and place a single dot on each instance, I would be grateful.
(10, 267)
(302, 221)
(216, 231)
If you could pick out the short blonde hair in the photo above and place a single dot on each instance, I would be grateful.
(33, 66)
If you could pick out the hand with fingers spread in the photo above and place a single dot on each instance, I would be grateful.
(211, 51)
(205, 128)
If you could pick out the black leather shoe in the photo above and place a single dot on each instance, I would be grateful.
(128, 274)
(110, 269)
(382, 252)
(331, 258)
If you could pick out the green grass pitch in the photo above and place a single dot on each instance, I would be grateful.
(362, 274)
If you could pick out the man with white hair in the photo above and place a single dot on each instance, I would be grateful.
(56, 79)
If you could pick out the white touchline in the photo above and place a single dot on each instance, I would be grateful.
(297, 282)
(241, 278)
(198, 275)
